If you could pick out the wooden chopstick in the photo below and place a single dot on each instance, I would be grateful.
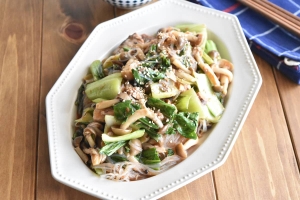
(271, 12)
(274, 8)
(275, 13)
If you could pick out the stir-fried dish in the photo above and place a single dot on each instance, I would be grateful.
(142, 108)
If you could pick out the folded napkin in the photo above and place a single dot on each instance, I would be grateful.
(276, 45)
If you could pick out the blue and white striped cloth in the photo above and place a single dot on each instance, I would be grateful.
(276, 45)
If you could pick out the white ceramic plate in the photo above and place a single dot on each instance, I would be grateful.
(224, 29)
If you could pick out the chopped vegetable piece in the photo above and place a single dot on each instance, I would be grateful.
(126, 49)
(124, 109)
(161, 91)
(106, 88)
(79, 100)
(207, 59)
(150, 156)
(96, 70)
(197, 28)
(110, 120)
(215, 106)
(112, 147)
(193, 102)
(98, 171)
(146, 121)
(213, 103)
(170, 152)
(168, 110)
(118, 157)
(98, 100)
(130, 136)
(140, 80)
(170, 130)
(87, 117)
(186, 124)
(152, 132)
(109, 61)
(210, 46)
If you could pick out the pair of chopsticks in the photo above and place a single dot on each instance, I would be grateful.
(275, 13)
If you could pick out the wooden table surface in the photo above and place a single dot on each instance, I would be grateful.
(38, 38)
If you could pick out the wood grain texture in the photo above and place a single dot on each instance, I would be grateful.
(57, 51)
(290, 94)
(201, 188)
(262, 164)
(20, 49)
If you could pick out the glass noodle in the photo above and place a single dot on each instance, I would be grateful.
(142, 108)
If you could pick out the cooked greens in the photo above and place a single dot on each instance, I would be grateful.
(140, 109)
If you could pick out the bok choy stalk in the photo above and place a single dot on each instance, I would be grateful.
(97, 70)
(197, 28)
(134, 135)
(211, 52)
(210, 46)
(106, 88)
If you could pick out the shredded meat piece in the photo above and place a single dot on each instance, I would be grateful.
(127, 69)
(133, 41)
(99, 114)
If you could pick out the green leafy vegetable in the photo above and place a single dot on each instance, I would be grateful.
(150, 156)
(153, 48)
(166, 109)
(148, 122)
(96, 70)
(112, 147)
(87, 116)
(186, 124)
(165, 61)
(152, 132)
(139, 79)
(118, 157)
(170, 152)
(79, 100)
(124, 109)
(126, 48)
(149, 75)
(170, 131)
(153, 68)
